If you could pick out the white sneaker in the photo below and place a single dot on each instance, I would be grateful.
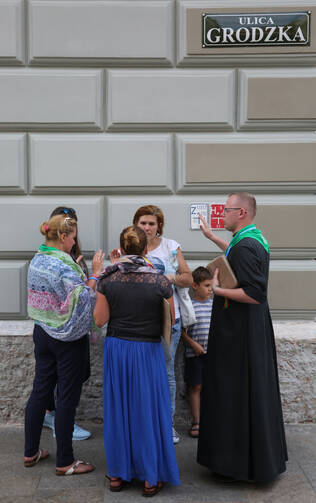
(175, 436)
(79, 433)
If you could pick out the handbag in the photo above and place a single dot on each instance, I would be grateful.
(185, 303)
(166, 321)
(186, 307)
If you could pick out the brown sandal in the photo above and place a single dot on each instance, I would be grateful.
(39, 456)
(73, 469)
(194, 430)
(117, 484)
(152, 490)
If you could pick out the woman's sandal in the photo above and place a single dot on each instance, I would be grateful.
(117, 484)
(194, 430)
(73, 469)
(152, 490)
(41, 455)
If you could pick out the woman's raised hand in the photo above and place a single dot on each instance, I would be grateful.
(98, 263)
(78, 259)
(115, 255)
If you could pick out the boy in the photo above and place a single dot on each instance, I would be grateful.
(195, 338)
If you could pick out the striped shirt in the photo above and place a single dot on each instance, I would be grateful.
(199, 331)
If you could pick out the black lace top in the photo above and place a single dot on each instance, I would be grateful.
(135, 301)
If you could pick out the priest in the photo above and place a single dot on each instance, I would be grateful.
(241, 431)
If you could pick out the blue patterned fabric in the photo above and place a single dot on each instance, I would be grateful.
(58, 299)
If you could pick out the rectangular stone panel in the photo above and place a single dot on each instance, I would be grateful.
(170, 99)
(191, 52)
(103, 162)
(50, 99)
(13, 288)
(20, 219)
(12, 163)
(101, 32)
(253, 162)
(288, 225)
(277, 98)
(292, 290)
(12, 32)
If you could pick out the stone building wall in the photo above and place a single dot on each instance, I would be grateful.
(106, 105)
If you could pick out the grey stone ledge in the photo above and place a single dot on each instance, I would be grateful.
(16, 327)
(293, 329)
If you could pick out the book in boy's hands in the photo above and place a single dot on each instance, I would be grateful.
(226, 277)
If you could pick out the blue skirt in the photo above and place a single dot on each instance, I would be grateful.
(137, 412)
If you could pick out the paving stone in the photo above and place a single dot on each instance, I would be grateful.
(40, 484)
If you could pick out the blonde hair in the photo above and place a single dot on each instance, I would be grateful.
(133, 240)
(76, 249)
(150, 209)
(56, 226)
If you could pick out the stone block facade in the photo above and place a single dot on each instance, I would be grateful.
(110, 104)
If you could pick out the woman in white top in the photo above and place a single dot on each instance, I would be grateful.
(150, 218)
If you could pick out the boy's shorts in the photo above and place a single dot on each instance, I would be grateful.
(194, 369)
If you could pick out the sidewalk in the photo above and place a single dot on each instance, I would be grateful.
(40, 484)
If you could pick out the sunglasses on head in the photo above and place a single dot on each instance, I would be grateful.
(70, 211)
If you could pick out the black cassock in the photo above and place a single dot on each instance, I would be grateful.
(241, 429)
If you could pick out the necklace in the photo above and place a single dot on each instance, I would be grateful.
(154, 243)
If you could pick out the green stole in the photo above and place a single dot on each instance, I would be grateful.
(250, 231)
(64, 257)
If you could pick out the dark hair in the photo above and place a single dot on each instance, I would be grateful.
(246, 200)
(133, 240)
(64, 210)
(201, 274)
(76, 249)
(150, 209)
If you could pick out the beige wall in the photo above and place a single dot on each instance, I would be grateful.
(292, 290)
(108, 105)
(250, 162)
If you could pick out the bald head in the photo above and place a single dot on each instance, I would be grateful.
(247, 201)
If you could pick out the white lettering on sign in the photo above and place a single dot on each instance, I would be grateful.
(228, 35)
(254, 35)
(256, 20)
(283, 33)
(299, 34)
(242, 34)
(259, 31)
(270, 30)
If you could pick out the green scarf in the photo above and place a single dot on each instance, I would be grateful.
(250, 231)
(64, 257)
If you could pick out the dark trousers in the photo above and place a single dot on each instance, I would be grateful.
(54, 396)
(64, 364)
